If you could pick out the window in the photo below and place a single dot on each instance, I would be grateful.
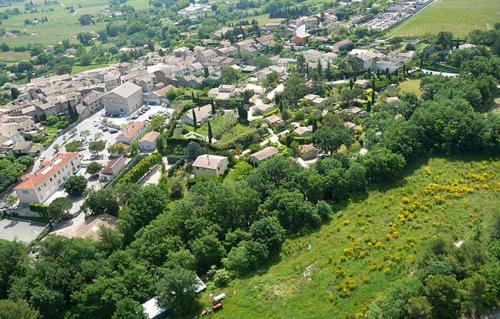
(25, 192)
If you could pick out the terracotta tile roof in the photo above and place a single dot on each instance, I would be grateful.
(33, 181)
(132, 129)
(208, 161)
(265, 153)
(150, 136)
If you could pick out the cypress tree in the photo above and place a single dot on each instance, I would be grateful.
(194, 120)
(210, 134)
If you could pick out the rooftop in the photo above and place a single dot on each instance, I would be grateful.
(132, 129)
(32, 181)
(150, 136)
(265, 153)
(208, 161)
(126, 89)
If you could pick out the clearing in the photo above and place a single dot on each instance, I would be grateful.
(457, 16)
(370, 243)
(411, 86)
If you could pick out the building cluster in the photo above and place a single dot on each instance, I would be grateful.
(370, 59)
(395, 14)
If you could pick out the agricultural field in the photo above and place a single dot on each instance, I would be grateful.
(456, 16)
(13, 56)
(62, 24)
(371, 242)
(411, 86)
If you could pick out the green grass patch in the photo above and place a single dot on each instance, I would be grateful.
(12, 56)
(411, 86)
(264, 19)
(78, 69)
(370, 242)
(457, 16)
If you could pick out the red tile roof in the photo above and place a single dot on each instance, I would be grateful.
(33, 181)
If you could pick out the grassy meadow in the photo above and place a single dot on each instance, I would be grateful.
(369, 243)
(411, 86)
(457, 16)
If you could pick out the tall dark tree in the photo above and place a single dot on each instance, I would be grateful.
(195, 124)
(210, 134)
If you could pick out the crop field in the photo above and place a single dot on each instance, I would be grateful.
(457, 16)
(62, 24)
(12, 56)
(370, 242)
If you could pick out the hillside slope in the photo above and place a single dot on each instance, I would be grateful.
(369, 244)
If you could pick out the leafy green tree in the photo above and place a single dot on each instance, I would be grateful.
(419, 308)
(292, 211)
(96, 147)
(193, 150)
(247, 256)
(273, 174)
(383, 165)
(295, 89)
(12, 263)
(134, 148)
(85, 38)
(75, 185)
(230, 75)
(442, 293)
(208, 251)
(102, 201)
(142, 206)
(404, 138)
(175, 291)
(392, 303)
(94, 168)
(269, 232)
(86, 19)
(59, 208)
(19, 309)
(475, 294)
(330, 139)
(128, 308)
(110, 240)
(182, 258)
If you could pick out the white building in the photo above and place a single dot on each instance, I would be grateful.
(38, 187)
(131, 133)
(10, 126)
(210, 165)
(123, 100)
(202, 115)
(148, 141)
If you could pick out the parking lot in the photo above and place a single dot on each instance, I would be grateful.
(21, 230)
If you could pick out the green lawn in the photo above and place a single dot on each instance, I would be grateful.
(12, 56)
(442, 197)
(457, 16)
(78, 69)
(264, 19)
(411, 86)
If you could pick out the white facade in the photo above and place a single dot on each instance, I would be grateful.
(123, 100)
(210, 165)
(38, 187)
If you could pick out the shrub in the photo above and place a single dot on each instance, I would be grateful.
(139, 170)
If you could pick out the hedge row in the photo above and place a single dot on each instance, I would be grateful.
(141, 169)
